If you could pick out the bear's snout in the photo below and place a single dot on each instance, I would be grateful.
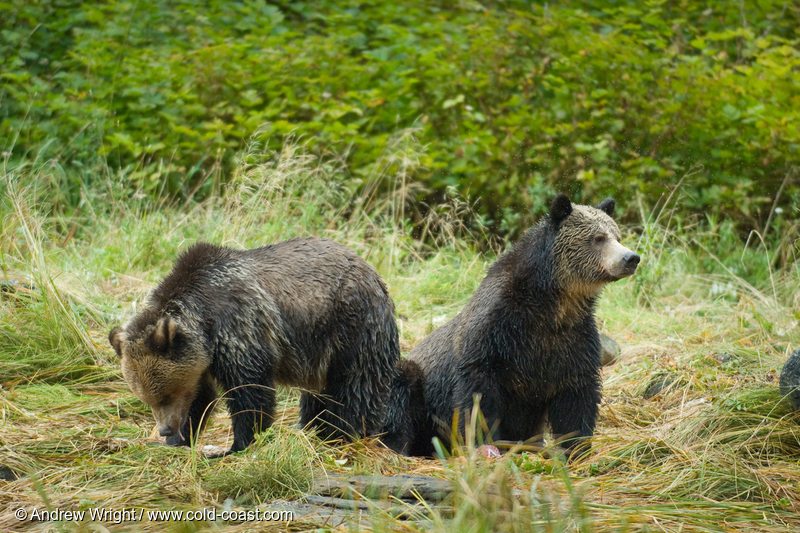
(626, 265)
(172, 434)
(169, 421)
(619, 261)
(631, 261)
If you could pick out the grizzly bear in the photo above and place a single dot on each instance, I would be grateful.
(306, 312)
(526, 346)
(406, 412)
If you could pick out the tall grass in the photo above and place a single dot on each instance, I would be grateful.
(44, 333)
(705, 326)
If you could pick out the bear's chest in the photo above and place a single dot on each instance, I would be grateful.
(541, 364)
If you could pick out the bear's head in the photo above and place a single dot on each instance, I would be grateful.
(586, 250)
(162, 364)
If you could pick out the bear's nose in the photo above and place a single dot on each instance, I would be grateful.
(632, 259)
(165, 431)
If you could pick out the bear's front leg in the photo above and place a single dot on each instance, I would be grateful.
(251, 408)
(199, 413)
(572, 415)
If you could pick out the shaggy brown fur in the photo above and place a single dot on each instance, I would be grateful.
(526, 346)
(307, 312)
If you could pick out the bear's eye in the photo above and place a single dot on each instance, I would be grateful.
(599, 239)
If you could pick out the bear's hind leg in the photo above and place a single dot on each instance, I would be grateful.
(355, 404)
(362, 369)
(399, 432)
(311, 406)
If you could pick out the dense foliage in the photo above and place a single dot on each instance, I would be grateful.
(507, 101)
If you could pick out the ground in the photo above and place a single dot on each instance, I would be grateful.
(693, 433)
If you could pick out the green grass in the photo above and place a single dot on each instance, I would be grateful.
(281, 466)
(718, 448)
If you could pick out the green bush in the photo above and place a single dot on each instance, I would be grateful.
(510, 100)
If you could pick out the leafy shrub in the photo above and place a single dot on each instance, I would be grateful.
(511, 100)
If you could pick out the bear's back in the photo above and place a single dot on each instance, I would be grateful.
(310, 272)
(310, 276)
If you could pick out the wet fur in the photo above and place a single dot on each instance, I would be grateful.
(526, 344)
(307, 312)
(407, 411)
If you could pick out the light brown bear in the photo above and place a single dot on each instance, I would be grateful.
(306, 312)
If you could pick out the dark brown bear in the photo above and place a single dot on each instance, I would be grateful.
(307, 313)
(526, 345)
(407, 412)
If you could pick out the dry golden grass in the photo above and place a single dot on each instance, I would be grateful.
(693, 433)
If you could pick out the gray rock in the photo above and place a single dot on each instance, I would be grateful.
(790, 379)
(723, 358)
(6, 474)
(660, 382)
(609, 350)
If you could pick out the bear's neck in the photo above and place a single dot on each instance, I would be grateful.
(535, 287)
(574, 306)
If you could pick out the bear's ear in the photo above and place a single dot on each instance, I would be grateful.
(115, 338)
(560, 208)
(163, 335)
(607, 206)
